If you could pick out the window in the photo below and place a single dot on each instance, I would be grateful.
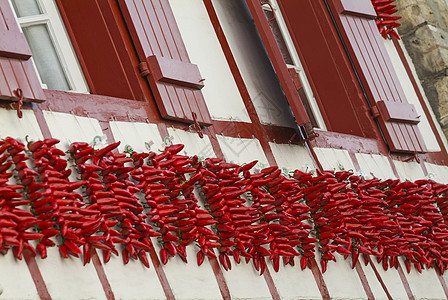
(53, 55)
(292, 60)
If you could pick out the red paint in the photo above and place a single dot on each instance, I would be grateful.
(363, 8)
(222, 284)
(321, 285)
(271, 285)
(405, 282)
(102, 275)
(41, 121)
(109, 67)
(378, 276)
(351, 143)
(39, 282)
(443, 283)
(327, 68)
(379, 79)
(17, 46)
(177, 72)
(161, 275)
(154, 32)
(364, 282)
(277, 61)
(354, 161)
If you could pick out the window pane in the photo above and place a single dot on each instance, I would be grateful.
(279, 37)
(46, 58)
(25, 8)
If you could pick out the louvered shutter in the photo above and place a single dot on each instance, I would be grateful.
(279, 65)
(16, 68)
(175, 82)
(397, 118)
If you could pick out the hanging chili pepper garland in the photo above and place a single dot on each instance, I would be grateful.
(385, 20)
(123, 202)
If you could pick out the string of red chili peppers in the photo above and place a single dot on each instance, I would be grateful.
(130, 200)
(385, 20)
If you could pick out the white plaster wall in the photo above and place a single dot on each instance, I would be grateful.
(244, 282)
(391, 279)
(132, 281)
(220, 92)
(342, 281)
(187, 280)
(11, 125)
(409, 170)
(292, 157)
(437, 173)
(374, 165)
(425, 285)
(241, 151)
(142, 137)
(411, 96)
(373, 281)
(70, 128)
(253, 62)
(15, 279)
(68, 278)
(293, 282)
(194, 145)
(334, 159)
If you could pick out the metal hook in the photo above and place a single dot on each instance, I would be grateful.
(414, 156)
(292, 138)
(197, 126)
(19, 93)
(272, 9)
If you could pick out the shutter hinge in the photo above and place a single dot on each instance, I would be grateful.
(374, 112)
(143, 68)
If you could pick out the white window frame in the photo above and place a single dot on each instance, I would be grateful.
(51, 18)
(297, 65)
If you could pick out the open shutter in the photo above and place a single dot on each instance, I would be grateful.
(396, 117)
(16, 68)
(174, 80)
(275, 55)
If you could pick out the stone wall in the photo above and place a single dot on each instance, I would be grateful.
(424, 32)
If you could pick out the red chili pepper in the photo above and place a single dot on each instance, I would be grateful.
(164, 256)
(63, 251)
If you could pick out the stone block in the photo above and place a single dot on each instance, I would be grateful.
(416, 12)
(428, 37)
(435, 61)
(441, 87)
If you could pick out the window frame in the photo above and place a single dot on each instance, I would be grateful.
(297, 64)
(51, 18)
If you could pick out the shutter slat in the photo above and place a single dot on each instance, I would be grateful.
(168, 13)
(167, 33)
(13, 43)
(16, 68)
(174, 80)
(398, 119)
(357, 8)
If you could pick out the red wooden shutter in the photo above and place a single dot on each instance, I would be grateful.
(397, 118)
(174, 80)
(16, 69)
(279, 64)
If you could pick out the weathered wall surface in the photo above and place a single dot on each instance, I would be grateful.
(424, 31)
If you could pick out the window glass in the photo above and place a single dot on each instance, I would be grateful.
(53, 54)
(25, 8)
(45, 57)
(278, 36)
